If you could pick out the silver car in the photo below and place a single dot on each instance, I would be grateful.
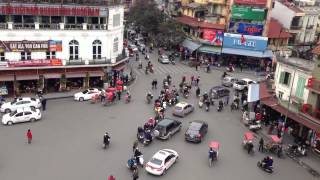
(182, 109)
(228, 81)
(163, 59)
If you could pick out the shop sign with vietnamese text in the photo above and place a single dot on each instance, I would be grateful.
(248, 13)
(35, 63)
(30, 46)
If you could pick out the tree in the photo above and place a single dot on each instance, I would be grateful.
(146, 15)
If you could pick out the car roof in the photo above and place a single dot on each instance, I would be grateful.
(197, 123)
(161, 154)
(182, 104)
(246, 79)
(166, 122)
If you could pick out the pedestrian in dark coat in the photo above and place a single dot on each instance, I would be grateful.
(261, 144)
(198, 92)
(119, 95)
(29, 136)
(135, 174)
(44, 104)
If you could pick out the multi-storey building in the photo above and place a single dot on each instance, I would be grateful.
(57, 45)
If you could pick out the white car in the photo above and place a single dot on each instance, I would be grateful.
(163, 59)
(133, 47)
(21, 115)
(87, 94)
(161, 161)
(20, 103)
(243, 84)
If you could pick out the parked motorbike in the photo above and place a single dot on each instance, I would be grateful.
(297, 150)
(219, 107)
(262, 166)
(234, 106)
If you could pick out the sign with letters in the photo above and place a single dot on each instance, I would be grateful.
(30, 46)
(253, 43)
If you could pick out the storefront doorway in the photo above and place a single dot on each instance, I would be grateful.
(27, 86)
(95, 82)
(52, 85)
(75, 83)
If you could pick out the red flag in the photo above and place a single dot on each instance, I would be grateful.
(243, 40)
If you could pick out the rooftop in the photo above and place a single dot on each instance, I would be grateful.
(194, 22)
(65, 2)
(276, 30)
(301, 64)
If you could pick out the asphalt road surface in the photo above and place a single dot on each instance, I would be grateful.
(67, 143)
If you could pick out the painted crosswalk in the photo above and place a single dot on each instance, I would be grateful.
(167, 69)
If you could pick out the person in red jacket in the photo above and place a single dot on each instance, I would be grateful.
(29, 136)
(111, 177)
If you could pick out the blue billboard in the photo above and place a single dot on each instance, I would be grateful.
(238, 41)
(246, 28)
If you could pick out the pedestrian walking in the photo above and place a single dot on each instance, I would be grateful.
(111, 177)
(29, 136)
(198, 91)
(261, 145)
(197, 81)
(44, 103)
(119, 95)
(192, 79)
(155, 84)
(197, 66)
(226, 100)
(135, 174)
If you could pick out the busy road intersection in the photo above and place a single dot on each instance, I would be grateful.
(67, 141)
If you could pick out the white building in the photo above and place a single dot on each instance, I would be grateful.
(291, 76)
(70, 43)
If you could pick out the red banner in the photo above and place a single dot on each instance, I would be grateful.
(214, 36)
(35, 63)
(49, 11)
(251, 2)
(30, 46)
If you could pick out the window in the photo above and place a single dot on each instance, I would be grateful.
(300, 87)
(27, 113)
(285, 78)
(74, 50)
(115, 45)
(19, 114)
(116, 20)
(2, 57)
(96, 49)
(280, 95)
(51, 54)
(25, 55)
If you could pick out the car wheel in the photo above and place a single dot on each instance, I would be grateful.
(164, 172)
(7, 110)
(169, 137)
(81, 99)
(32, 119)
(9, 123)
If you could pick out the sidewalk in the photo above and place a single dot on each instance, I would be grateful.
(311, 162)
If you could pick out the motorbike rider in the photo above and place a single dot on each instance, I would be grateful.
(137, 154)
(169, 79)
(205, 96)
(148, 135)
(224, 74)
(220, 104)
(207, 103)
(267, 162)
(198, 91)
(140, 64)
(212, 154)
(250, 147)
(106, 139)
(149, 96)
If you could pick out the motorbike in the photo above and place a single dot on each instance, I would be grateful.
(186, 95)
(230, 69)
(262, 166)
(297, 150)
(140, 66)
(106, 144)
(219, 108)
(234, 106)
(207, 108)
(151, 69)
(140, 160)
(132, 164)
(127, 98)
(146, 71)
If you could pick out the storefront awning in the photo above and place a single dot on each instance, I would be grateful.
(243, 52)
(76, 75)
(52, 76)
(192, 46)
(273, 103)
(6, 77)
(210, 49)
(27, 77)
(96, 74)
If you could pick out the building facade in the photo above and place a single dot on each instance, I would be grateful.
(61, 45)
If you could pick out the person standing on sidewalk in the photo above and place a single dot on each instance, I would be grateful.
(119, 95)
(44, 103)
(261, 144)
(29, 136)
(135, 174)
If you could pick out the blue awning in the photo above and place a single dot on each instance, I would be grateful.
(192, 46)
(243, 52)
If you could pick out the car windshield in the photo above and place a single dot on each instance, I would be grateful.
(165, 57)
(156, 161)
(13, 113)
(241, 82)
(178, 108)
(85, 91)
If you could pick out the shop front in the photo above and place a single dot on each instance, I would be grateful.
(249, 51)
(6, 83)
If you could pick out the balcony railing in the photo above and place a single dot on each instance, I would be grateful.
(97, 27)
(23, 26)
(310, 27)
(313, 85)
(309, 110)
(73, 26)
(49, 26)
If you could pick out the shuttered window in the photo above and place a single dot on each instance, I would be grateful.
(300, 87)
(285, 78)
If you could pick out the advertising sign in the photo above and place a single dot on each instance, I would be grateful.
(216, 1)
(30, 46)
(35, 63)
(238, 41)
(248, 13)
(213, 37)
(3, 91)
(50, 11)
(246, 28)
(251, 2)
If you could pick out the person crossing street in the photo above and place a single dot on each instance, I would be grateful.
(29, 136)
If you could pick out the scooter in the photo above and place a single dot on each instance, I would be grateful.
(262, 166)
(234, 106)
(141, 160)
(105, 145)
(219, 108)
(207, 108)
(297, 150)
(140, 137)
